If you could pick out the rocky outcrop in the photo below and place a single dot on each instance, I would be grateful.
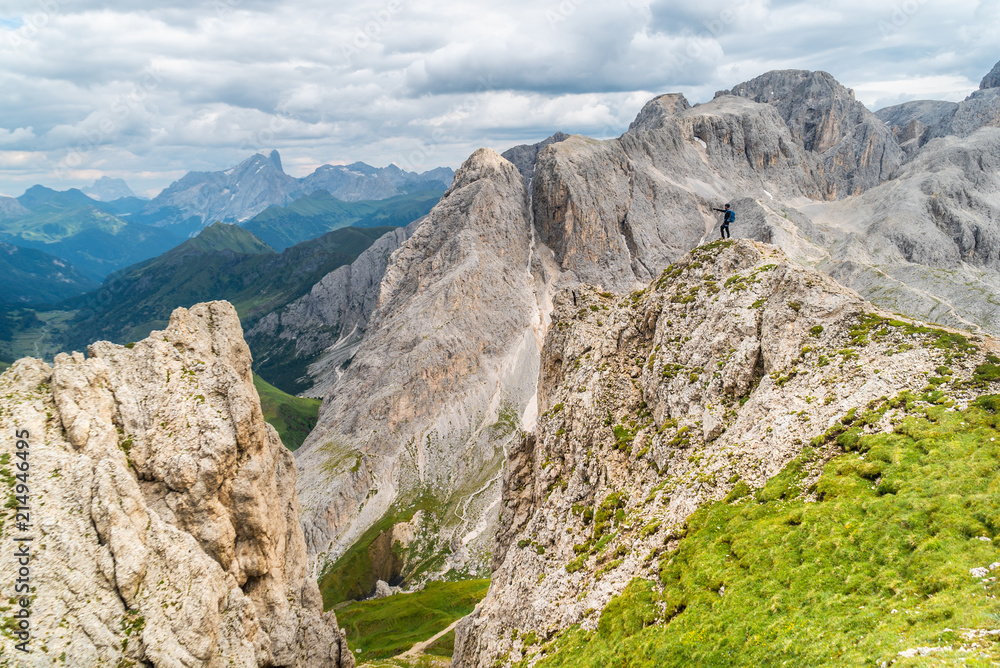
(857, 150)
(327, 324)
(718, 374)
(164, 522)
(992, 79)
(979, 110)
(440, 381)
(653, 113)
(616, 212)
(916, 123)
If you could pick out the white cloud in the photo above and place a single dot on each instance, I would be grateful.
(147, 94)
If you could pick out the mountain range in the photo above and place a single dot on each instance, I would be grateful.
(96, 236)
(446, 371)
(663, 447)
(240, 193)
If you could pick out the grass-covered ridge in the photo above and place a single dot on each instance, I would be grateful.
(872, 559)
(386, 627)
(293, 417)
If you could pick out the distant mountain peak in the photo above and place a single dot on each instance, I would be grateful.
(275, 160)
(107, 189)
(221, 236)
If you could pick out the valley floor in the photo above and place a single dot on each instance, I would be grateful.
(410, 629)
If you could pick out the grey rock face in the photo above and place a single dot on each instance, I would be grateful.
(449, 349)
(165, 517)
(915, 123)
(617, 212)
(333, 317)
(234, 195)
(858, 151)
(359, 181)
(926, 243)
(991, 80)
(979, 110)
(709, 371)
(653, 112)
(524, 156)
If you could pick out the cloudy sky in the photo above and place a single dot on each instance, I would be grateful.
(93, 88)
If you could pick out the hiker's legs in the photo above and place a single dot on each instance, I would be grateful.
(725, 230)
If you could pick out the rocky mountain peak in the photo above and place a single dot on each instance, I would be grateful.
(858, 150)
(485, 163)
(107, 189)
(991, 80)
(658, 108)
(814, 104)
(275, 160)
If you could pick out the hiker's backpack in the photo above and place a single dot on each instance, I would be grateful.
(730, 216)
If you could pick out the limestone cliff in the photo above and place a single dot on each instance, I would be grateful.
(438, 385)
(327, 324)
(719, 372)
(164, 522)
(857, 150)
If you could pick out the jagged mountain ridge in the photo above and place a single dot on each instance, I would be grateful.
(614, 214)
(241, 192)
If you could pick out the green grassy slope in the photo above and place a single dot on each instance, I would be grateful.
(872, 559)
(318, 213)
(221, 237)
(28, 276)
(292, 417)
(81, 231)
(385, 627)
(223, 262)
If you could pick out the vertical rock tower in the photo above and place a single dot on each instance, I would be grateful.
(161, 513)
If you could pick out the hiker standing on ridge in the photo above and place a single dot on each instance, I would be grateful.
(729, 217)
